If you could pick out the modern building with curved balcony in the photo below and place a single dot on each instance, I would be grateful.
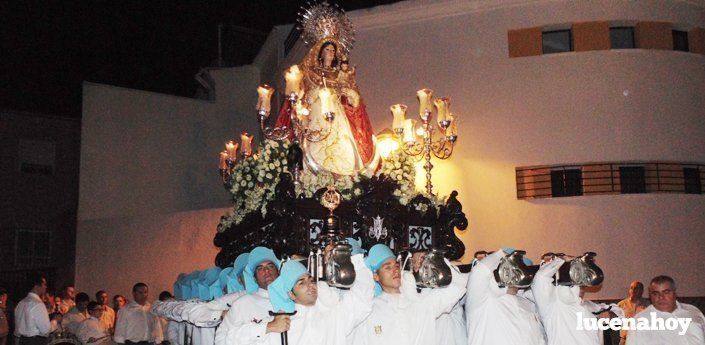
(581, 128)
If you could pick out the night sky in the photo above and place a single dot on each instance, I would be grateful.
(48, 48)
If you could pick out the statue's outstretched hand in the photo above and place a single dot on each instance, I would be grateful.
(353, 97)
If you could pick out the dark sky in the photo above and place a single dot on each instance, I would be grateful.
(48, 48)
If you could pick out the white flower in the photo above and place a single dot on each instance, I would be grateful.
(250, 185)
(271, 166)
(277, 163)
(268, 176)
(259, 179)
(238, 178)
(248, 177)
(243, 183)
(261, 173)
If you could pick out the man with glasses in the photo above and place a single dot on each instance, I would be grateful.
(664, 305)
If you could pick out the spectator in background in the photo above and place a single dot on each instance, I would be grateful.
(107, 318)
(136, 325)
(72, 320)
(57, 304)
(632, 305)
(664, 305)
(32, 324)
(67, 299)
(4, 324)
(119, 301)
(92, 330)
(48, 299)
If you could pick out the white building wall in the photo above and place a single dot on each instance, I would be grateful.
(614, 105)
(148, 172)
(150, 191)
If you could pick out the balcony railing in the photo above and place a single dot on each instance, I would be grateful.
(604, 178)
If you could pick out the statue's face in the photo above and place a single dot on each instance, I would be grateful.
(328, 53)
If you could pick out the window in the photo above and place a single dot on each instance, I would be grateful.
(691, 177)
(632, 180)
(36, 156)
(32, 248)
(568, 182)
(557, 41)
(680, 40)
(622, 37)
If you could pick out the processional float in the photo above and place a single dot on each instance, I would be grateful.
(321, 151)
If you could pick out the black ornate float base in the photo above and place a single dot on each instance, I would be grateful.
(293, 224)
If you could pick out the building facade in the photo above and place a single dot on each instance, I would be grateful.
(39, 184)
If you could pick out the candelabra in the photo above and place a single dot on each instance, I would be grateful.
(427, 146)
(298, 116)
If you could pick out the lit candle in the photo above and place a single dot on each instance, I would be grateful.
(409, 132)
(399, 114)
(231, 148)
(293, 78)
(425, 106)
(442, 107)
(223, 160)
(326, 100)
(264, 102)
(246, 144)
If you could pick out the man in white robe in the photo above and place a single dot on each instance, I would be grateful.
(400, 315)
(499, 316)
(321, 321)
(245, 322)
(560, 307)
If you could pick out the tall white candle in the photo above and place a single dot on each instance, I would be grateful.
(399, 114)
(424, 96)
(293, 78)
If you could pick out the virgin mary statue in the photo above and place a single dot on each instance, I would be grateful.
(329, 90)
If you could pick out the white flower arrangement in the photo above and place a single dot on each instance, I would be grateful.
(253, 180)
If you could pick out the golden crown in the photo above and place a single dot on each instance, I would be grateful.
(321, 20)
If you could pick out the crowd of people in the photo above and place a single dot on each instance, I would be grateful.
(281, 303)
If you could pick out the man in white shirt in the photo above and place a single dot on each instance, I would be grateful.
(317, 319)
(665, 306)
(92, 331)
(244, 323)
(31, 317)
(632, 305)
(73, 319)
(135, 324)
(107, 318)
(499, 316)
(400, 315)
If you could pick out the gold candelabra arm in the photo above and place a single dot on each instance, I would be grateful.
(414, 149)
(443, 148)
(276, 133)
